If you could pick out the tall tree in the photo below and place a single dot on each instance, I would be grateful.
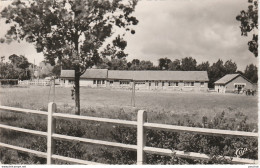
(146, 65)
(70, 29)
(8, 71)
(188, 64)
(249, 23)
(204, 66)
(251, 73)
(164, 63)
(136, 62)
(216, 71)
(175, 65)
(21, 66)
(230, 67)
(118, 64)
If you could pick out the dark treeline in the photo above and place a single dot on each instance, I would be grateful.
(215, 71)
(18, 67)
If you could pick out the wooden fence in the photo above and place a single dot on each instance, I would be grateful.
(141, 124)
(40, 82)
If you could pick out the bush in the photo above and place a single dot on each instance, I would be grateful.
(216, 147)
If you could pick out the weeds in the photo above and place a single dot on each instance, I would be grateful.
(229, 118)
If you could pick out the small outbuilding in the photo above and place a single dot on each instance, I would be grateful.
(233, 83)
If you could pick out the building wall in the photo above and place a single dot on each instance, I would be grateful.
(86, 82)
(66, 82)
(93, 82)
(140, 85)
(220, 88)
(230, 87)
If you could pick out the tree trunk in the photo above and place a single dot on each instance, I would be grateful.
(77, 93)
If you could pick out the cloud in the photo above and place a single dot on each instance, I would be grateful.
(204, 29)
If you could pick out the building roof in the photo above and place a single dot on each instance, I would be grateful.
(140, 75)
(95, 74)
(225, 79)
(159, 75)
(67, 74)
(89, 74)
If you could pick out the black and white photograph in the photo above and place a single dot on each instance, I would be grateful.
(129, 82)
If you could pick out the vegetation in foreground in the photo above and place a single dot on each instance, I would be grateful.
(165, 104)
(229, 118)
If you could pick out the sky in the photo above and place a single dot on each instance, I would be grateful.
(203, 29)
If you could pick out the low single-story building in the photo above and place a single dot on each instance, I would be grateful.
(147, 80)
(67, 78)
(233, 83)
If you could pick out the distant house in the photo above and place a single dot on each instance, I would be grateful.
(147, 80)
(67, 78)
(233, 83)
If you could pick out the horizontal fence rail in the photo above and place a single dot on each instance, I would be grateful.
(40, 82)
(141, 124)
(106, 120)
(204, 131)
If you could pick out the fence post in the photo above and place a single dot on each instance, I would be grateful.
(141, 136)
(51, 130)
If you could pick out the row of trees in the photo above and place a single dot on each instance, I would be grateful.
(215, 71)
(18, 67)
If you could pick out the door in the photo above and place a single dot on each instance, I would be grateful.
(239, 88)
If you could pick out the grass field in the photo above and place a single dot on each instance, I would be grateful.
(179, 108)
(160, 105)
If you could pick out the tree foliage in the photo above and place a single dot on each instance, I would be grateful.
(16, 68)
(19, 61)
(251, 73)
(61, 28)
(249, 22)
(175, 65)
(74, 30)
(204, 66)
(230, 67)
(188, 64)
(164, 63)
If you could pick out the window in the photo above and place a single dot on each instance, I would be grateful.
(94, 81)
(103, 82)
(98, 82)
(201, 84)
(140, 83)
(174, 84)
(162, 83)
(111, 82)
(124, 82)
(189, 84)
(239, 85)
(156, 83)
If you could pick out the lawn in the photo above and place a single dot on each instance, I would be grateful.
(179, 108)
(158, 104)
